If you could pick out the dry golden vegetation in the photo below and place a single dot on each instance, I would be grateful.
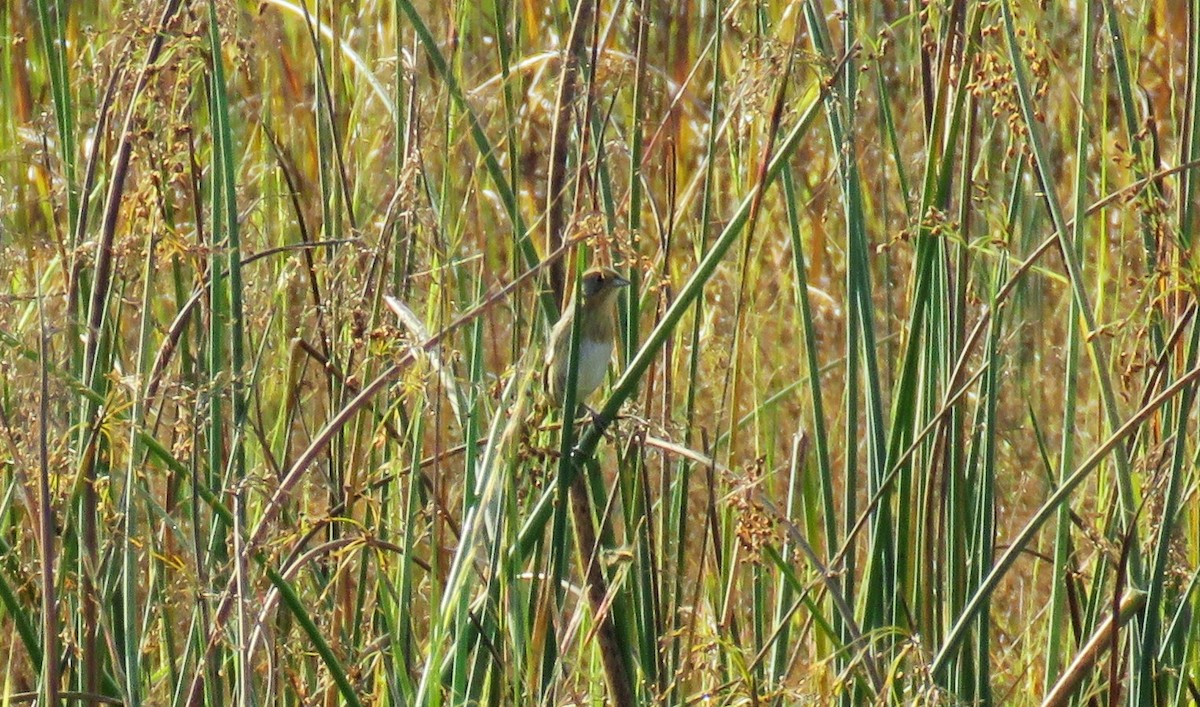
(902, 411)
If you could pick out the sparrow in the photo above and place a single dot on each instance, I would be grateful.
(597, 331)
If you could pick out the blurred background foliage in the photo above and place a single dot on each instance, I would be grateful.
(906, 377)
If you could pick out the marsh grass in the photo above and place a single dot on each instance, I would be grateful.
(903, 410)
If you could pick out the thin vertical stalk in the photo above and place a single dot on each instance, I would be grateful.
(1066, 461)
(51, 680)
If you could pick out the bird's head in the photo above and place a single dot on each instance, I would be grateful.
(600, 286)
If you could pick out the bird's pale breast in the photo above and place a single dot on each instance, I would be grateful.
(594, 355)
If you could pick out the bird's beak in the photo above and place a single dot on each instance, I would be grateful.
(620, 282)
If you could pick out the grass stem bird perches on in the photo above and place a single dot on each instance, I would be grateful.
(594, 347)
